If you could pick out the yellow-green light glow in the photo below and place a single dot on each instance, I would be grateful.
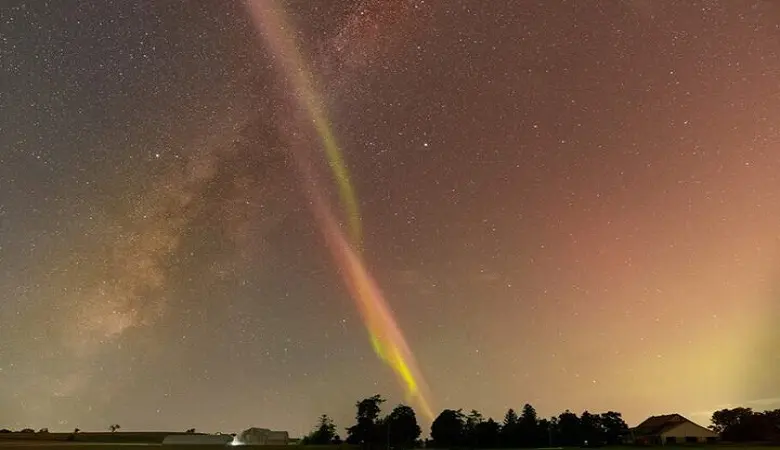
(386, 337)
(276, 30)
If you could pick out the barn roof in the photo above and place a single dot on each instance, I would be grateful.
(656, 425)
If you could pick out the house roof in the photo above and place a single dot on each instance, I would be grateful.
(656, 425)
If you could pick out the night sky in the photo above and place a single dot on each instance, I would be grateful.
(567, 203)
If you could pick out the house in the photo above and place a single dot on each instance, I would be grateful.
(670, 429)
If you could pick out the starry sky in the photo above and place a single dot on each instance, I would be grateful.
(571, 203)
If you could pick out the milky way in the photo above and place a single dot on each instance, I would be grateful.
(571, 205)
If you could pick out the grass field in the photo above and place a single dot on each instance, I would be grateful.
(11, 445)
(107, 437)
(719, 446)
(108, 440)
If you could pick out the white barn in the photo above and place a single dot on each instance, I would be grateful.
(262, 436)
(197, 439)
(671, 429)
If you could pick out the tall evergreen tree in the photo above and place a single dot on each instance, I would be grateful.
(509, 429)
(528, 427)
(323, 434)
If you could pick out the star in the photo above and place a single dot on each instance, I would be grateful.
(195, 204)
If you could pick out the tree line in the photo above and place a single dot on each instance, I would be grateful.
(746, 425)
(454, 428)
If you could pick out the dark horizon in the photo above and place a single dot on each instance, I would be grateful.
(722, 421)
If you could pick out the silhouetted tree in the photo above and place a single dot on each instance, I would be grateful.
(615, 428)
(773, 425)
(509, 429)
(591, 429)
(366, 431)
(401, 428)
(323, 434)
(569, 429)
(447, 430)
(743, 425)
(545, 433)
(454, 429)
(487, 434)
(554, 432)
(528, 428)
(190, 431)
(114, 427)
(733, 424)
(472, 421)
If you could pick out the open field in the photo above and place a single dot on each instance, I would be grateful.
(86, 437)
(22, 445)
(109, 440)
(40, 445)
(7, 444)
(153, 440)
(62, 445)
(719, 446)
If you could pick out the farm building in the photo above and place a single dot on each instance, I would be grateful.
(197, 439)
(670, 429)
(262, 436)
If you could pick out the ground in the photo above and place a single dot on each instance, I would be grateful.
(110, 441)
